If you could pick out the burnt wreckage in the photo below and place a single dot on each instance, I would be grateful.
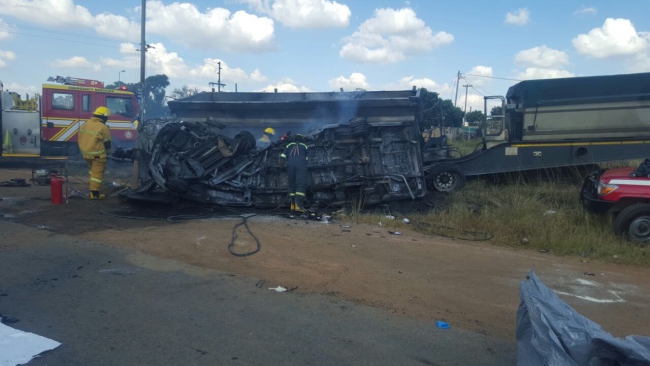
(374, 158)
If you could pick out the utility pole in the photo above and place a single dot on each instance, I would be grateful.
(457, 82)
(466, 86)
(218, 83)
(143, 52)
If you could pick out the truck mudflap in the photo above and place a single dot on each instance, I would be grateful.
(588, 194)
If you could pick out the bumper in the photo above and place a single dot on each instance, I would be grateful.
(590, 199)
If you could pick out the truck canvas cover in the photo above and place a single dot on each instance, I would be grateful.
(580, 90)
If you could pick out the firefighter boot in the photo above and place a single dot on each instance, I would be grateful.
(293, 203)
(299, 206)
(95, 195)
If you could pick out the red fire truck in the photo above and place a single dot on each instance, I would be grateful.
(46, 125)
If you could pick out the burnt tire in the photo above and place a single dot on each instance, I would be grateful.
(446, 178)
(247, 141)
(634, 222)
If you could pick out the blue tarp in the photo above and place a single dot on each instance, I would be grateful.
(550, 332)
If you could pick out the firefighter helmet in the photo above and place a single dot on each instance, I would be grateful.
(269, 131)
(102, 112)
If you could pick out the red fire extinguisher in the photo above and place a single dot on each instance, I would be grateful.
(56, 185)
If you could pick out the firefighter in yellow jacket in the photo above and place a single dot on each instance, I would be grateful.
(95, 145)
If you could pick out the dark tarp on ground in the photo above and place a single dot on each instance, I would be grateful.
(550, 332)
(592, 89)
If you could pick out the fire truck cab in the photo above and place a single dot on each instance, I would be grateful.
(48, 124)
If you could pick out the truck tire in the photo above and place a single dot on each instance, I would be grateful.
(634, 222)
(446, 178)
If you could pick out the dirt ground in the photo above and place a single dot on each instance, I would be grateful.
(471, 285)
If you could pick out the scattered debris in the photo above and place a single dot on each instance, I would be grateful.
(18, 347)
(380, 223)
(406, 221)
(43, 227)
(615, 256)
(260, 284)
(395, 232)
(345, 226)
(346, 231)
(390, 217)
(278, 289)
(543, 250)
(589, 274)
(524, 240)
(353, 246)
(550, 212)
(15, 182)
(26, 212)
(442, 325)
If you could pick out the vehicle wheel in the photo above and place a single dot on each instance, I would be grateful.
(72, 151)
(634, 222)
(247, 143)
(446, 178)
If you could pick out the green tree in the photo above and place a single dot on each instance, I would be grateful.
(436, 110)
(183, 92)
(474, 118)
(155, 105)
(497, 110)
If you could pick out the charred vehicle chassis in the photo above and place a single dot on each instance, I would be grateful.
(372, 162)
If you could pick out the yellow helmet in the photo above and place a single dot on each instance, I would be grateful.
(270, 131)
(103, 112)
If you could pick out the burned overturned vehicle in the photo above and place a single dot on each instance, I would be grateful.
(372, 161)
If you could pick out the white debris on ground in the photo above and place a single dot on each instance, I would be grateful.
(18, 347)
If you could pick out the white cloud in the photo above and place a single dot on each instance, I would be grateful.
(543, 73)
(76, 62)
(22, 89)
(217, 28)
(543, 56)
(304, 13)
(285, 86)
(6, 56)
(408, 82)
(53, 13)
(5, 30)
(474, 102)
(356, 80)
(617, 37)
(586, 11)
(391, 36)
(518, 17)
(160, 60)
(482, 71)
(117, 26)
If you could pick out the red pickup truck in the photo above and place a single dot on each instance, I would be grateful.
(626, 197)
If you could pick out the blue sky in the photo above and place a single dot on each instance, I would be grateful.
(321, 45)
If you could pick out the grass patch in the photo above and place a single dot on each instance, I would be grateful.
(465, 147)
(539, 215)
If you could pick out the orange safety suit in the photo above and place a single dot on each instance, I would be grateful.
(95, 145)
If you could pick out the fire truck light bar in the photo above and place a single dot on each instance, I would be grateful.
(76, 81)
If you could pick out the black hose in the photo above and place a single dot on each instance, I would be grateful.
(234, 237)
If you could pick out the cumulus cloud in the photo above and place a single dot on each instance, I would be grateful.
(518, 17)
(6, 56)
(543, 56)
(617, 37)
(474, 102)
(481, 71)
(586, 11)
(284, 86)
(216, 28)
(53, 13)
(304, 13)
(356, 80)
(174, 66)
(76, 62)
(391, 36)
(408, 82)
(543, 73)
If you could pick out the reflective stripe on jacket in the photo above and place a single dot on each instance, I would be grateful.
(295, 149)
(93, 138)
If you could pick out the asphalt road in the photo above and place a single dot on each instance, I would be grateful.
(112, 307)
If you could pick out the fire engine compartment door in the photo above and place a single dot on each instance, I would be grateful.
(24, 127)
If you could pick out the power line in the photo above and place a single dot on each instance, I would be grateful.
(478, 86)
(62, 39)
(27, 27)
(492, 77)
